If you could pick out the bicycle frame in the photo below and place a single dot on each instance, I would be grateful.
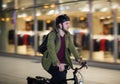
(44, 80)
(75, 78)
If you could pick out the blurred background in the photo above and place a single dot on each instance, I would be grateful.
(95, 26)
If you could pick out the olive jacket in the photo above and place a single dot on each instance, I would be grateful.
(50, 55)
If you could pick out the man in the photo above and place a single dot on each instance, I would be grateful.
(57, 54)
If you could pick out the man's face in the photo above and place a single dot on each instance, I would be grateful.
(66, 25)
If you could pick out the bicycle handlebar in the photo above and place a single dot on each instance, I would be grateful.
(83, 64)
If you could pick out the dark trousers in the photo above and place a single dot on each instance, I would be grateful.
(57, 76)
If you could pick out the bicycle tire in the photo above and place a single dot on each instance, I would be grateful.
(80, 77)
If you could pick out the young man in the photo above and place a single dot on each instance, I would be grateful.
(57, 54)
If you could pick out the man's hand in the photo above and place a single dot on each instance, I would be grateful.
(61, 67)
(80, 61)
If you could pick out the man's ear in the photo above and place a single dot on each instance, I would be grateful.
(60, 25)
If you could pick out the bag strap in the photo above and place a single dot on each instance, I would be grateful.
(56, 37)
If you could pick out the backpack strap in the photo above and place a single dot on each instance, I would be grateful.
(56, 37)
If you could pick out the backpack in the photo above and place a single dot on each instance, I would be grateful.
(43, 47)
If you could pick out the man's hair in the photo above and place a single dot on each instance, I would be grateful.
(62, 18)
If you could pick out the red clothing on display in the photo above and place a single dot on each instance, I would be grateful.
(102, 44)
(25, 39)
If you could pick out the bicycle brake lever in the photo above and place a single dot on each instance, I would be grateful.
(84, 64)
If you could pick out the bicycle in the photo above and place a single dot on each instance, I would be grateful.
(75, 78)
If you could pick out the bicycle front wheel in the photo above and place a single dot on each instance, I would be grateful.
(80, 78)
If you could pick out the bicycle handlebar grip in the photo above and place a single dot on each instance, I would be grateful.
(84, 64)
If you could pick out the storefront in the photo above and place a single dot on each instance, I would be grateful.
(94, 26)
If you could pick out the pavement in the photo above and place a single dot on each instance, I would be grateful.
(15, 70)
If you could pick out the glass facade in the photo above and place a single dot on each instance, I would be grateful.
(94, 26)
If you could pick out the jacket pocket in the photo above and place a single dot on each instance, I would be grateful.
(46, 61)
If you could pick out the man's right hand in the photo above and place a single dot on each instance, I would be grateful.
(61, 67)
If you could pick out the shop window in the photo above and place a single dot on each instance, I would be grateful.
(40, 25)
(107, 24)
(29, 25)
(119, 28)
(11, 34)
(80, 22)
(50, 24)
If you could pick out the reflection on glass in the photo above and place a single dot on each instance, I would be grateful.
(46, 12)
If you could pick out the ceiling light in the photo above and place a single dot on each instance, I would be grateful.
(4, 5)
(7, 19)
(62, 8)
(46, 6)
(104, 9)
(67, 7)
(38, 14)
(51, 12)
(52, 5)
(115, 6)
(48, 21)
(2, 19)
